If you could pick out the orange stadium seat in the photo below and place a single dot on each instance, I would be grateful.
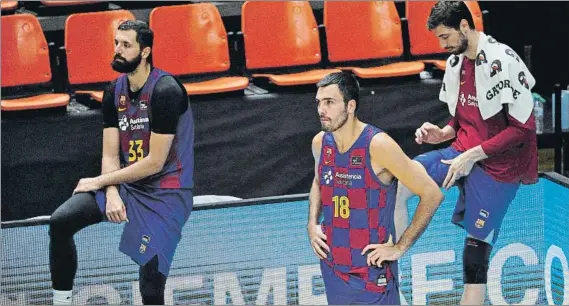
(66, 3)
(191, 39)
(424, 42)
(357, 30)
(474, 9)
(25, 61)
(282, 34)
(7, 6)
(89, 49)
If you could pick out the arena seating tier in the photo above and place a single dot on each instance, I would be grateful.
(281, 43)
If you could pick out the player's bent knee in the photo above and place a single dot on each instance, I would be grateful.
(57, 223)
(476, 258)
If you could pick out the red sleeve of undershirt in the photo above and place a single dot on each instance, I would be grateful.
(513, 135)
(453, 123)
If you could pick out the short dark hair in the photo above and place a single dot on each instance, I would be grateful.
(347, 83)
(449, 14)
(144, 35)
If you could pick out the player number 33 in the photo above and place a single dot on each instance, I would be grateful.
(341, 207)
(135, 151)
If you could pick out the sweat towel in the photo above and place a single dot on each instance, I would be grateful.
(501, 77)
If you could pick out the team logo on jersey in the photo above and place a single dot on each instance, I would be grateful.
(523, 80)
(328, 177)
(327, 156)
(462, 98)
(122, 103)
(123, 123)
(481, 58)
(511, 53)
(356, 161)
(479, 223)
(495, 67)
(134, 124)
(142, 248)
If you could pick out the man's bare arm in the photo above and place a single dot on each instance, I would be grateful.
(151, 164)
(110, 161)
(448, 133)
(387, 153)
(317, 238)
(315, 196)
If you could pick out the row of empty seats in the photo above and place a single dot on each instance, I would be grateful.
(192, 40)
(71, 5)
(7, 6)
(11, 6)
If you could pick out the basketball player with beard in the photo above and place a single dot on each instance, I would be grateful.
(147, 171)
(357, 167)
(489, 158)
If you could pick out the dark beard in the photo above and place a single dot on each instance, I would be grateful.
(462, 47)
(125, 66)
(341, 123)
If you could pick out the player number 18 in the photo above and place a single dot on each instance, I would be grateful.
(341, 207)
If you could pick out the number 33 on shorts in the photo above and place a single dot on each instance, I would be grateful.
(341, 207)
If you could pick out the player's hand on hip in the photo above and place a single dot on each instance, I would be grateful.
(428, 133)
(317, 240)
(115, 209)
(459, 167)
(382, 252)
(87, 184)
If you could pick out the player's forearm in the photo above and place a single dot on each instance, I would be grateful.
(315, 203)
(505, 140)
(135, 172)
(427, 207)
(448, 133)
(108, 165)
(476, 154)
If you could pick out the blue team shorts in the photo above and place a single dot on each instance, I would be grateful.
(338, 292)
(156, 218)
(482, 202)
